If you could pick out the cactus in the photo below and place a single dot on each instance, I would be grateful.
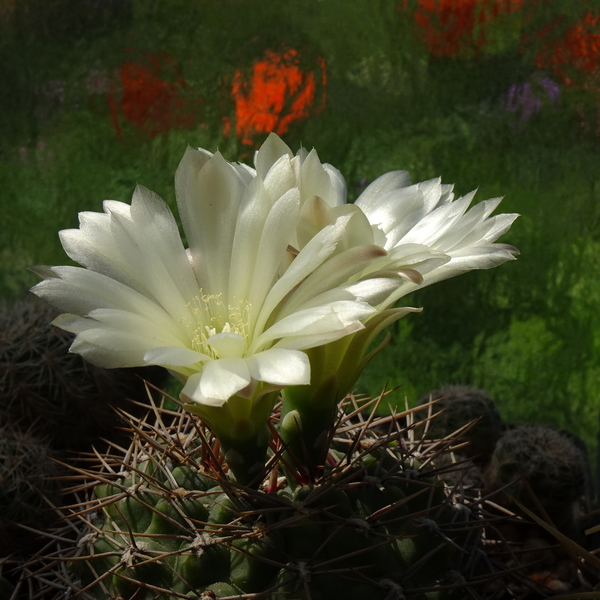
(27, 486)
(545, 462)
(64, 399)
(164, 521)
(465, 406)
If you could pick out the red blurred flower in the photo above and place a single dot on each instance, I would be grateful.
(278, 93)
(150, 96)
(452, 26)
(575, 59)
(577, 55)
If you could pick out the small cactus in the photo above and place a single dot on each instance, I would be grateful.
(64, 399)
(461, 406)
(28, 486)
(544, 462)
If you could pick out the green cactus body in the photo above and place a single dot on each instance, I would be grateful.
(254, 565)
(376, 525)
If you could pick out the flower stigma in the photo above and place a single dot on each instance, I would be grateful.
(218, 331)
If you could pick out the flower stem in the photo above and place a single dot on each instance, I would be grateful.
(307, 420)
(246, 458)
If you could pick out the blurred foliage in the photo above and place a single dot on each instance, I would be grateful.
(494, 115)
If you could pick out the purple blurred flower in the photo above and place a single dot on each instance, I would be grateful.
(526, 99)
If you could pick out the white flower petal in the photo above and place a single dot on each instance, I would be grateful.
(429, 229)
(372, 291)
(469, 222)
(320, 247)
(79, 291)
(138, 324)
(398, 212)
(326, 323)
(416, 256)
(490, 230)
(389, 182)
(317, 214)
(306, 341)
(227, 344)
(138, 246)
(314, 216)
(468, 259)
(338, 186)
(209, 191)
(174, 356)
(191, 392)
(253, 212)
(280, 367)
(223, 378)
(246, 174)
(317, 181)
(108, 348)
(279, 227)
(332, 274)
(269, 153)
(280, 178)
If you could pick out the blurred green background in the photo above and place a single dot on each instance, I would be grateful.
(499, 95)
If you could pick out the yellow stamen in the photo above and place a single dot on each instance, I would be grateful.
(211, 317)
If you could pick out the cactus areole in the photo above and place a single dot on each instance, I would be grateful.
(283, 286)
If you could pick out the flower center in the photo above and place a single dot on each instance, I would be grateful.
(217, 330)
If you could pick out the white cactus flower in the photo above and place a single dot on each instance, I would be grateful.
(281, 277)
(232, 314)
